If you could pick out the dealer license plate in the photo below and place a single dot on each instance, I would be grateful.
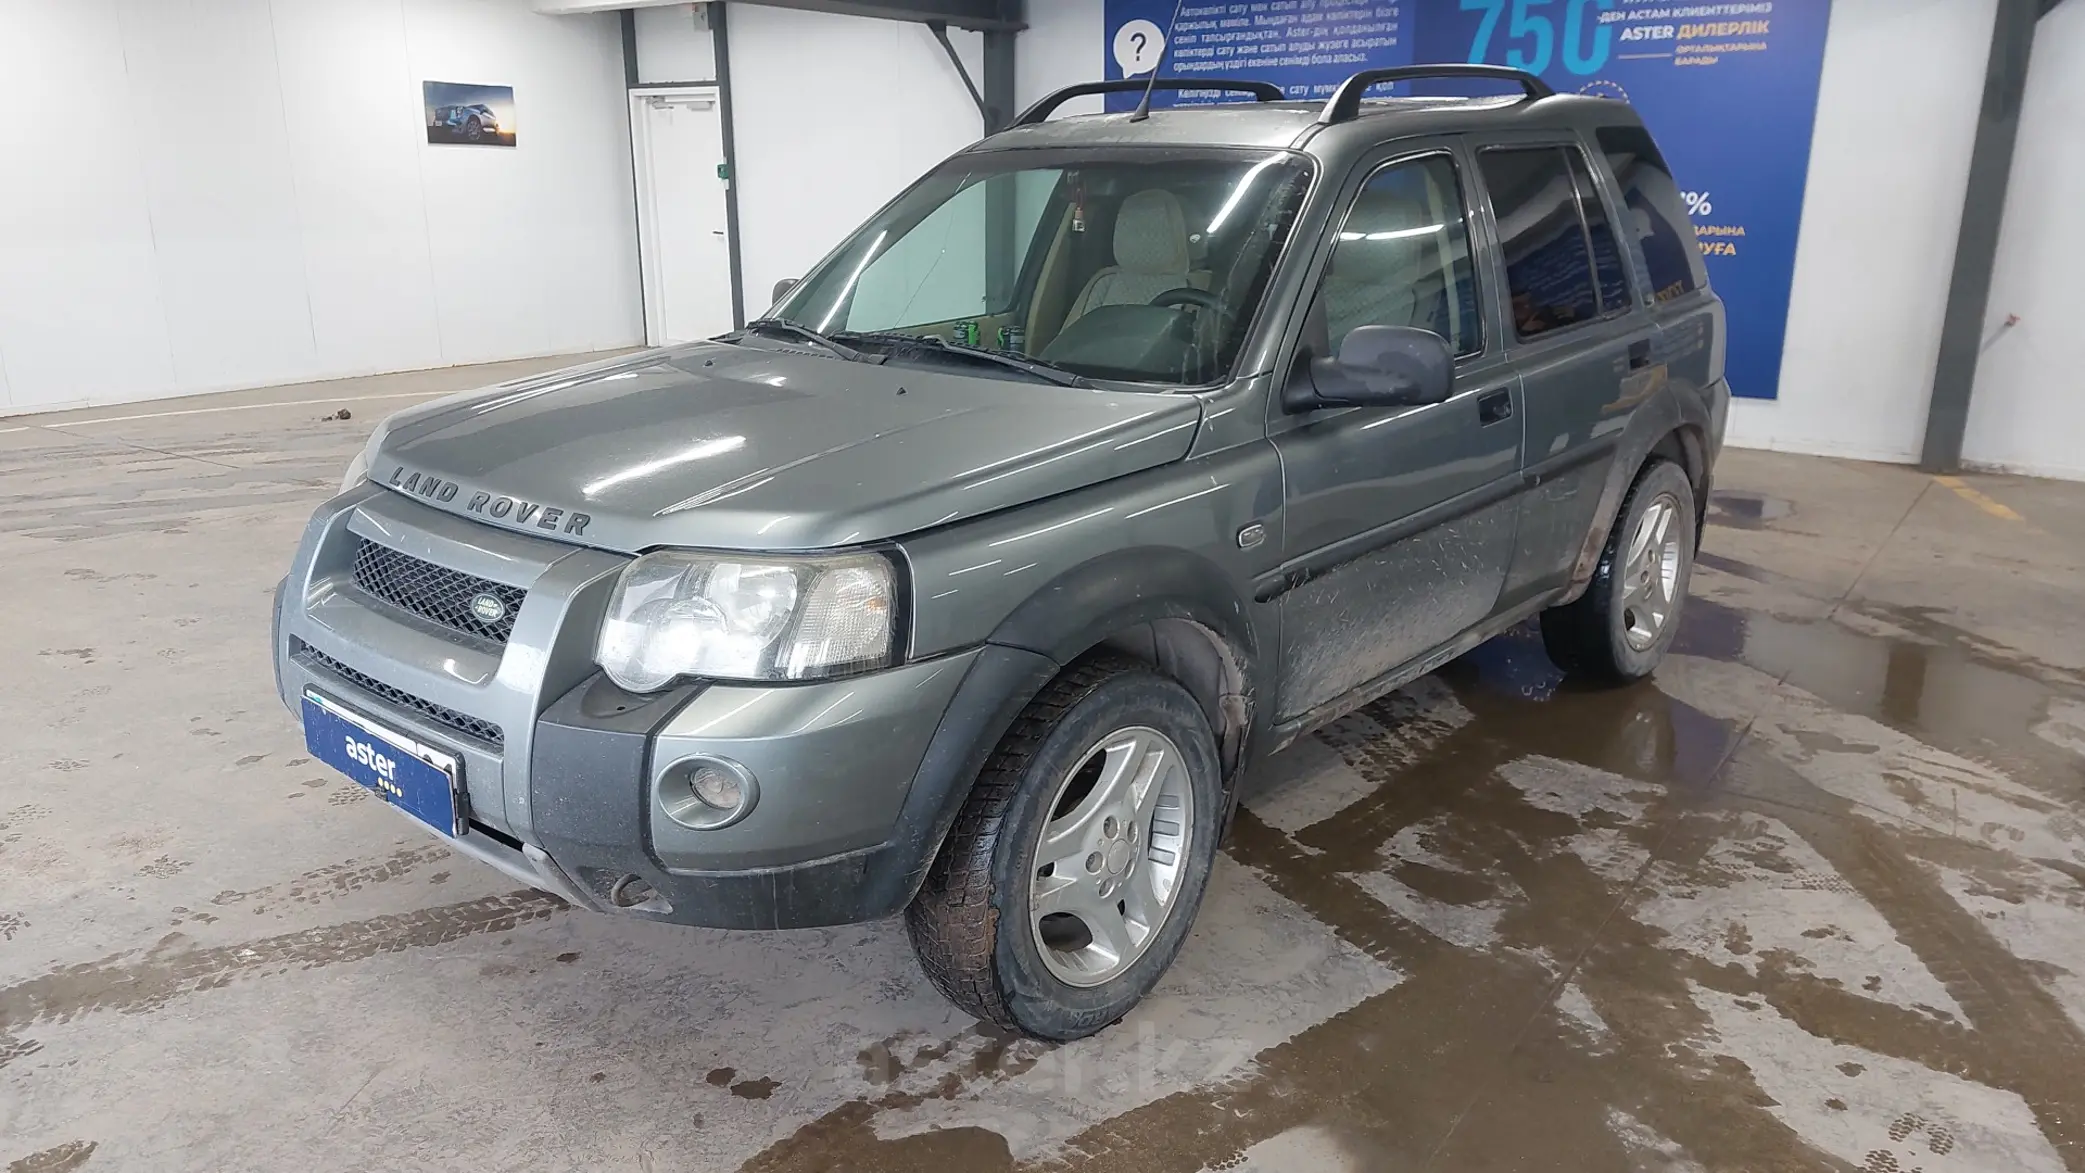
(418, 779)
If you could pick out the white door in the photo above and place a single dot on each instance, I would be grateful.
(684, 242)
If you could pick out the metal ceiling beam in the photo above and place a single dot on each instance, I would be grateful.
(940, 31)
(995, 104)
(1002, 16)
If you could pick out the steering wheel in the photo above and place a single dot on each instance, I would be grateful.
(1210, 327)
(1184, 295)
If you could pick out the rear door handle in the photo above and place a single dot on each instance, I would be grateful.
(1495, 407)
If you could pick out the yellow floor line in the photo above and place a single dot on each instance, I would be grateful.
(1994, 508)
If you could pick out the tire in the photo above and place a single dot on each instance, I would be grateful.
(1611, 634)
(973, 924)
(473, 130)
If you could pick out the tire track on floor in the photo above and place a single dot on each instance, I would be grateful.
(2027, 1044)
(129, 983)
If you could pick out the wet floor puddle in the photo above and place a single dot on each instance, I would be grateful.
(1742, 510)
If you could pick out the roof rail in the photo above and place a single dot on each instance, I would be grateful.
(1345, 105)
(1264, 91)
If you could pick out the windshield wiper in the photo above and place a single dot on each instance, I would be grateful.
(1042, 369)
(787, 328)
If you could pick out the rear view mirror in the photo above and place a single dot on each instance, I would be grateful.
(1378, 366)
(783, 287)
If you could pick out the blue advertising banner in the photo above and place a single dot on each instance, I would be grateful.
(1728, 89)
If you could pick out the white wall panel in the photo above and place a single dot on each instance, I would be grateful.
(209, 130)
(537, 243)
(215, 193)
(674, 43)
(2029, 414)
(80, 310)
(353, 113)
(1064, 45)
(833, 116)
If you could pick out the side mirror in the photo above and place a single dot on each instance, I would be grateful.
(1378, 366)
(783, 287)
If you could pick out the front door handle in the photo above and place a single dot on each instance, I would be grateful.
(1495, 407)
(1639, 354)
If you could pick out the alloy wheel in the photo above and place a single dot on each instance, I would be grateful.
(1109, 859)
(1651, 574)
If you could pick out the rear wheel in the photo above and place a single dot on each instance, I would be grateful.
(1619, 630)
(1074, 871)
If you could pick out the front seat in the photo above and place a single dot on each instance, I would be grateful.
(1386, 269)
(1152, 255)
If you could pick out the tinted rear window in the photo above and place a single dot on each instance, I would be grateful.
(1549, 269)
(1657, 219)
(1607, 254)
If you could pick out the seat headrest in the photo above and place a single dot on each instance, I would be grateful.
(1384, 231)
(1151, 234)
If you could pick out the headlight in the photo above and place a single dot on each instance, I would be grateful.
(678, 614)
(358, 468)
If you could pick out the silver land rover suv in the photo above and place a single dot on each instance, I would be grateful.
(1117, 453)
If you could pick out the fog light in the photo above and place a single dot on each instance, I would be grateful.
(718, 788)
(704, 794)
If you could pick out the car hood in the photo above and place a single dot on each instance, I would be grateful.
(737, 447)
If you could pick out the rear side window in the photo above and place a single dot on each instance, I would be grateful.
(1549, 260)
(1655, 217)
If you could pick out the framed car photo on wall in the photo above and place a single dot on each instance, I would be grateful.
(469, 115)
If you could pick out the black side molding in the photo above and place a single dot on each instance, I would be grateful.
(1262, 91)
(1345, 105)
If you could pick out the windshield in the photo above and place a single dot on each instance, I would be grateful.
(1132, 267)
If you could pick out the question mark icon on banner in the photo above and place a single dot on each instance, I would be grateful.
(1139, 47)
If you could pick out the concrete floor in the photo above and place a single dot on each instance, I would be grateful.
(1812, 899)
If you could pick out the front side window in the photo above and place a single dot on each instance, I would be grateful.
(1403, 258)
(1141, 267)
(1549, 266)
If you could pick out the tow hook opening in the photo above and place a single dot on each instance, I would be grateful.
(636, 894)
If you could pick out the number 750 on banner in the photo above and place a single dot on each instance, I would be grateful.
(1531, 24)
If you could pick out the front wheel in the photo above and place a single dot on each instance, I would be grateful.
(1619, 629)
(1074, 870)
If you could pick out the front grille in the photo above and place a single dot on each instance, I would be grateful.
(475, 728)
(435, 593)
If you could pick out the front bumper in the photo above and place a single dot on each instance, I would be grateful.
(824, 842)
(856, 779)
